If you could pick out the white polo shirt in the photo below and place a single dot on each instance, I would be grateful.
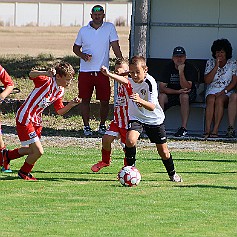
(147, 90)
(96, 42)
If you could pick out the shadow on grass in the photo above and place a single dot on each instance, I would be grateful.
(194, 160)
(208, 186)
(51, 132)
(15, 177)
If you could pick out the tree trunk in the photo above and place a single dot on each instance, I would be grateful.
(139, 28)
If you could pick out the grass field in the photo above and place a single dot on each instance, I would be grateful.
(70, 200)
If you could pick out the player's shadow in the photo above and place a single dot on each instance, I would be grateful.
(208, 186)
(51, 132)
(91, 176)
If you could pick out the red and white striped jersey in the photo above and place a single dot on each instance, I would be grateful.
(5, 78)
(121, 105)
(45, 93)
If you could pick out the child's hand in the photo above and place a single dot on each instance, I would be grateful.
(136, 98)
(75, 101)
(51, 72)
(104, 70)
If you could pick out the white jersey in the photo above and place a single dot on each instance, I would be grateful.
(147, 90)
(97, 43)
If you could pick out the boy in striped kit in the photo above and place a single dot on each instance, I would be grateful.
(49, 89)
(118, 127)
(8, 87)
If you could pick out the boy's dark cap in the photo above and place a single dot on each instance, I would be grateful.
(179, 51)
(97, 8)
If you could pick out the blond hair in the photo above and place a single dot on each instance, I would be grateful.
(64, 69)
(120, 61)
(137, 59)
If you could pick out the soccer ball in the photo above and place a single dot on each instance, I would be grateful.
(129, 176)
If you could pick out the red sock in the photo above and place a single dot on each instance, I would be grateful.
(125, 162)
(26, 168)
(13, 154)
(106, 156)
(1, 149)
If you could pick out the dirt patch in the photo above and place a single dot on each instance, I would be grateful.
(57, 41)
(187, 146)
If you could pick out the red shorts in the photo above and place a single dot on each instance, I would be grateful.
(28, 134)
(87, 81)
(115, 131)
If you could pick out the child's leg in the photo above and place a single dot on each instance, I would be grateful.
(168, 162)
(130, 147)
(123, 133)
(35, 151)
(105, 153)
(106, 148)
(166, 158)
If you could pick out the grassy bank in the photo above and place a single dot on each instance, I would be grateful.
(19, 66)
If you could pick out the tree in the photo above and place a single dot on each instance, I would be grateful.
(139, 27)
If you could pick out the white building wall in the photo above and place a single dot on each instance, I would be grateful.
(63, 14)
(7, 15)
(203, 22)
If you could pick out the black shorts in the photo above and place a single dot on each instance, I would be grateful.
(174, 100)
(155, 133)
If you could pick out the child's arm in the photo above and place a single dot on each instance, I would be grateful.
(70, 105)
(142, 103)
(35, 73)
(118, 78)
(6, 92)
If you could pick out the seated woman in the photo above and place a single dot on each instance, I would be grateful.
(232, 113)
(220, 78)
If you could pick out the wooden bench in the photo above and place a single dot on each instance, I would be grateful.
(196, 121)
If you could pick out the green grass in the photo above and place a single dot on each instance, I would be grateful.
(70, 200)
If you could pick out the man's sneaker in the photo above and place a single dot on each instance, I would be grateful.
(5, 162)
(230, 132)
(102, 129)
(25, 176)
(87, 131)
(98, 166)
(181, 132)
(176, 178)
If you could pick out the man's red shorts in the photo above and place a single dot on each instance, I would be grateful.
(87, 81)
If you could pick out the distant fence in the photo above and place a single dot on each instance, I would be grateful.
(60, 14)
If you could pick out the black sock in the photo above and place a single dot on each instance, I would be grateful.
(169, 165)
(130, 154)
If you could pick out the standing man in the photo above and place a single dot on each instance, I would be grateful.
(92, 45)
(177, 86)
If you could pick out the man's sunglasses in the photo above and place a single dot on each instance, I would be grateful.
(97, 9)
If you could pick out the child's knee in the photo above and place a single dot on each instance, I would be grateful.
(164, 154)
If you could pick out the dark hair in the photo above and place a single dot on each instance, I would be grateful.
(64, 69)
(222, 44)
(135, 60)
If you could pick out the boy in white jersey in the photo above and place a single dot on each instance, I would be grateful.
(146, 113)
(118, 127)
(49, 89)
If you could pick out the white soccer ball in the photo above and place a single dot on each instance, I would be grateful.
(129, 176)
